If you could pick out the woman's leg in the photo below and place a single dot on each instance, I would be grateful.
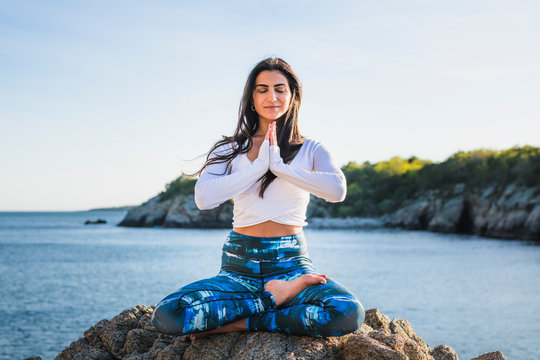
(282, 291)
(208, 304)
(319, 310)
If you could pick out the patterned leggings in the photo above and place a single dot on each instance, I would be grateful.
(237, 292)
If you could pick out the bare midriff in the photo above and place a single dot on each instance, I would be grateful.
(268, 229)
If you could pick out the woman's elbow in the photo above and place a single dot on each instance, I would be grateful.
(341, 194)
(203, 202)
(338, 195)
(339, 191)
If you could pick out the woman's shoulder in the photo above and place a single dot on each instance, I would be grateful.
(311, 144)
(225, 148)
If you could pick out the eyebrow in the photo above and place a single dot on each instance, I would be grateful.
(267, 85)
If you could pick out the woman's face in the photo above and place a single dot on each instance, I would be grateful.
(271, 96)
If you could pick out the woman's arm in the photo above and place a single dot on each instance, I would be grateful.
(215, 187)
(325, 181)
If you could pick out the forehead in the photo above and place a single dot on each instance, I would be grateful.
(271, 77)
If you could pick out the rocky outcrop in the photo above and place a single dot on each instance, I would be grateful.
(495, 355)
(181, 212)
(512, 213)
(178, 212)
(131, 336)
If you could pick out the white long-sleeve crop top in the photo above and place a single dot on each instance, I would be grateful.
(285, 199)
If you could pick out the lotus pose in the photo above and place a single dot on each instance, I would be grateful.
(267, 281)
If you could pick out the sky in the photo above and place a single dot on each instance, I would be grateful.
(102, 103)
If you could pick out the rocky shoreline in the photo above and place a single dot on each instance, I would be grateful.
(131, 336)
(510, 213)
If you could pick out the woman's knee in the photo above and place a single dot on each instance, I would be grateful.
(344, 318)
(167, 318)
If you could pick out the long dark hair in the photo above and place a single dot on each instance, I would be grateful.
(288, 135)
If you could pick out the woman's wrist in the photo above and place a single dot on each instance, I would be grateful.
(276, 162)
(263, 159)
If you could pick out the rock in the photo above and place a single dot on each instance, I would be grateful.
(94, 222)
(377, 320)
(533, 221)
(446, 218)
(112, 336)
(81, 349)
(415, 215)
(131, 336)
(139, 341)
(184, 207)
(496, 355)
(379, 345)
(34, 358)
(179, 212)
(443, 352)
(404, 329)
(261, 346)
(149, 214)
(512, 213)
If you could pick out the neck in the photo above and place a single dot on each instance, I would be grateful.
(263, 127)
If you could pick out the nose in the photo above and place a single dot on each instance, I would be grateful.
(273, 94)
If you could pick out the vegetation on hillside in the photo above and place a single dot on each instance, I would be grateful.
(179, 186)
(381, 188)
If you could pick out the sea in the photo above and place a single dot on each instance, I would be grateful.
(58, 277)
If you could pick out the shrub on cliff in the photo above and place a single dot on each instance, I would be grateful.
(179, 186)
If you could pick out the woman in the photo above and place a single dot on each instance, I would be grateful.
(267, 281)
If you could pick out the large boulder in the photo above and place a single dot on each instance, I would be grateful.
(131, 336)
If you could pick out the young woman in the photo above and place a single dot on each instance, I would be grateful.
(267, 281)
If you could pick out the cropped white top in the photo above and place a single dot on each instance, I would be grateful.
(286, 198)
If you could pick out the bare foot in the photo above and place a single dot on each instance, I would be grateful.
(239, 325)
(284, 291)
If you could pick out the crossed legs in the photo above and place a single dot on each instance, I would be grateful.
(294, 303)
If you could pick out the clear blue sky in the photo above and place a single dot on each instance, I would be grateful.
(103, 102)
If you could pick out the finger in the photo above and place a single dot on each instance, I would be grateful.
(272, 134)
(268, 133)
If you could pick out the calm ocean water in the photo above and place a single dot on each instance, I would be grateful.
(58, 277)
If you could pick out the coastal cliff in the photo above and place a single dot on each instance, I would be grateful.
(179, 211)
(513, 213)
(131, 336)
(486, 193)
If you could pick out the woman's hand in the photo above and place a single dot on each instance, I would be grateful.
(271, 134)
(268, 132)
(263, 158)
(275, 158)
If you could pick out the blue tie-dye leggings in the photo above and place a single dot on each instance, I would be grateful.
(237, 292)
